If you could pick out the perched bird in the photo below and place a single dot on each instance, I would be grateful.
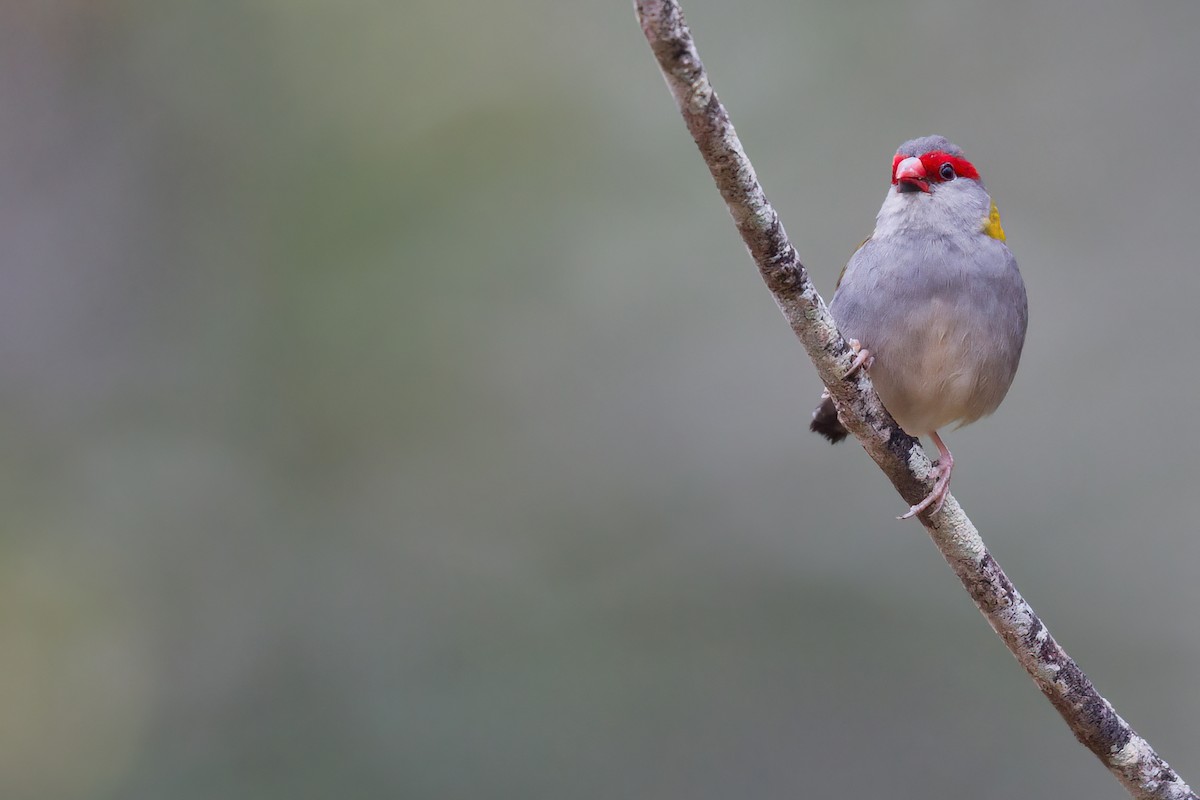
(933, 303)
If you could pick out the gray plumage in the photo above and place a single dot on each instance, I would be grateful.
(939, 303)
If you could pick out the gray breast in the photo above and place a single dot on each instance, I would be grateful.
(945, 321)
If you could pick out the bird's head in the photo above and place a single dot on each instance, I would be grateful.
(925, 164)
(934, 186)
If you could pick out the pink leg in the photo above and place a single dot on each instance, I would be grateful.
(941, 487)
(862, 358)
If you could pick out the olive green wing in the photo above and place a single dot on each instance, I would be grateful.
(842, 274)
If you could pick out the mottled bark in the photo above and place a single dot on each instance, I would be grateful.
(1090, 717)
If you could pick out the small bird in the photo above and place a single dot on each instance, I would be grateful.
(933, 303)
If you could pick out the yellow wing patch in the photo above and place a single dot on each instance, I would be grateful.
(992, 227)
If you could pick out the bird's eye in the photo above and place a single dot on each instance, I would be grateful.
(947, 172)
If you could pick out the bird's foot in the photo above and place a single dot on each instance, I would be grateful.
(941, 487)
(935, 498)
(862, 358)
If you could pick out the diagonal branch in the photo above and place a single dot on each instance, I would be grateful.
(1090, 717)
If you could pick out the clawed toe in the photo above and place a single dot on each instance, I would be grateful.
(934, 499)
(944, 468)
(862, 358)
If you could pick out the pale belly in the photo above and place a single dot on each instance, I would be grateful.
(940, 369)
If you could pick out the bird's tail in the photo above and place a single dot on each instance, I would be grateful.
(825, 422)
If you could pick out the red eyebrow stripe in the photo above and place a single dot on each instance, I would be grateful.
(933, 163)
(962, 168)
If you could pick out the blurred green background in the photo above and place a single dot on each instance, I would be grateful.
(392, 411)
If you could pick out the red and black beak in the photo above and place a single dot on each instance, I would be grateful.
(910, 175)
